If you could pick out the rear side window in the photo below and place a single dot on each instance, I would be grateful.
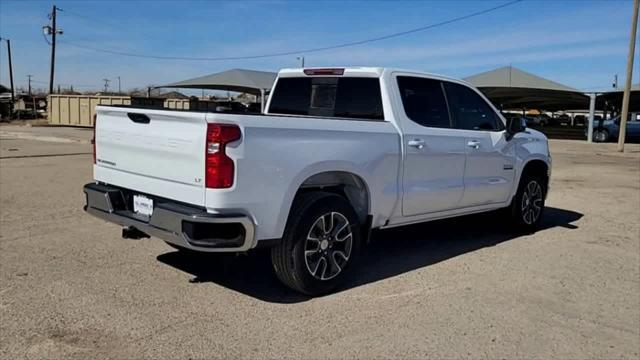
(341, 97)
(424, 102)
(469, 110)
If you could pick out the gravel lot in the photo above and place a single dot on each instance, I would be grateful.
(70, 287)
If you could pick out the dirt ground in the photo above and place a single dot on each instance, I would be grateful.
(71, 288)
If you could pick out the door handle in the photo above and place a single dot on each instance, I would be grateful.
(139, 118)
(416, 143)
(474, 144)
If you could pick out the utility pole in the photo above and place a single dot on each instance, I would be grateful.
(106, 85)
(615, 81)
(119, 89)
(13, 91)
(53, 31)
(29, 77)
(627, 86)
(301, 59)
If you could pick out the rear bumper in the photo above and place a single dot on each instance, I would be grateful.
(186, 226)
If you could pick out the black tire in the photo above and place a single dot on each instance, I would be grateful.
(601, 135)
(527, 206)
(296, 256)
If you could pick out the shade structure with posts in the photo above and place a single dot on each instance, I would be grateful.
(238, 80)
(511, 88)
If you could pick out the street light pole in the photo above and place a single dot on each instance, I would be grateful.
(627, 87)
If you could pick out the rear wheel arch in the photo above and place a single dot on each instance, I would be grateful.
(346, 184)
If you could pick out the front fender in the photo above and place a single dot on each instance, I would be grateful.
(531, 145)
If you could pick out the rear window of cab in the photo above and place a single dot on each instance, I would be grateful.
(328, 96)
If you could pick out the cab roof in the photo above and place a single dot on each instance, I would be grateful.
(362, 71)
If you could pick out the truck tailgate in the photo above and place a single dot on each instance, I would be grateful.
(152, 151)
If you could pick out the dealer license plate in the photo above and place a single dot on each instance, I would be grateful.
(142, 205)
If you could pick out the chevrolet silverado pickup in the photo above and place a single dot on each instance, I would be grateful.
(336, 153)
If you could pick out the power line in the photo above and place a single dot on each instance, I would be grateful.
(91, 20)
(69, 84)
(291, 52)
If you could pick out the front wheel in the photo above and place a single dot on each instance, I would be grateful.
(320, 243)
(528, 203)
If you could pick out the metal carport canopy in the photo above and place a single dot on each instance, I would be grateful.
(239, 80)
(614, 98)
(511, 88)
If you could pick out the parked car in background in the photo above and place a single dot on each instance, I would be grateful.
(542, 120)
(579, 120)
(609, 130)
(535, 121)
(563, 119)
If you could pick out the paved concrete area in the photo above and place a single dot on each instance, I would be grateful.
(71, 288)
(57, 134)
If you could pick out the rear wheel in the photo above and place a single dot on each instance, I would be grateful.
(601, 135)
(320, 244)
(528, 203)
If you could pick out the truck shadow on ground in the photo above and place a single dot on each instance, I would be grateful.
(391, 252)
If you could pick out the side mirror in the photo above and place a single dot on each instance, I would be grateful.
(514, 126)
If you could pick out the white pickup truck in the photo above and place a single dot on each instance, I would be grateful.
(336, 153)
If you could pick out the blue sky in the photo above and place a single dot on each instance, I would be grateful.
(579, 43)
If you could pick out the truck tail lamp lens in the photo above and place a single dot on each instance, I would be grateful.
(220, 168)
(93, 140)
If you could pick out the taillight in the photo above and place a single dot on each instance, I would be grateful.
(93, 141)
(219, 167)
(324, 71)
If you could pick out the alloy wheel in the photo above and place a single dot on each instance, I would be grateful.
(328, 246)
(531, 205)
